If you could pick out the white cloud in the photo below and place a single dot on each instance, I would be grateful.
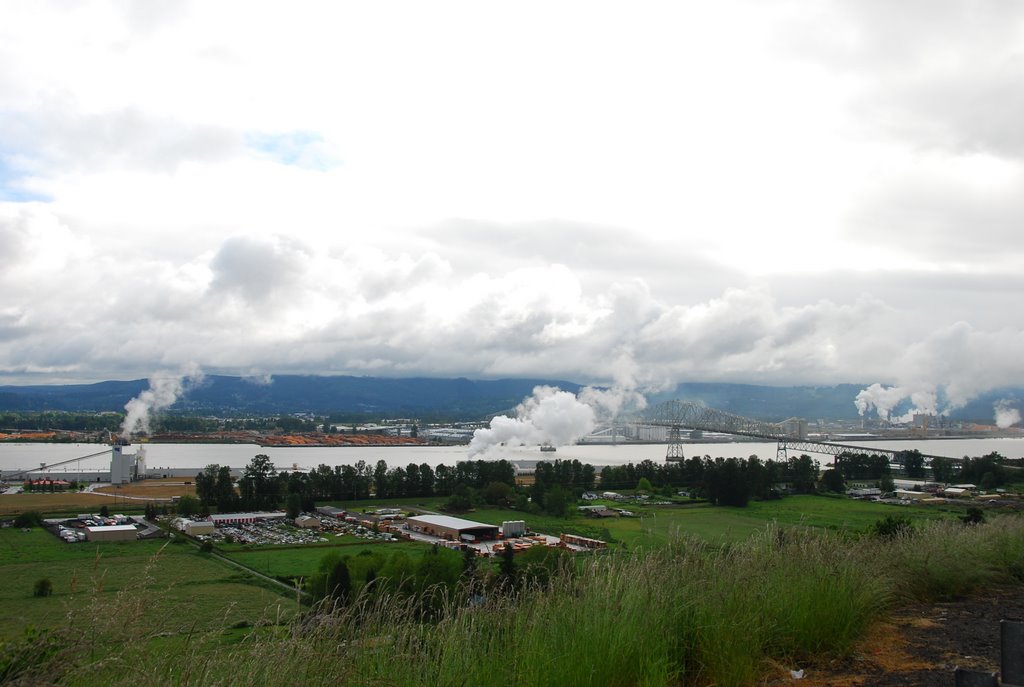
(738, 191)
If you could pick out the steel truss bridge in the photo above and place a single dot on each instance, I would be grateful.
(679, 416)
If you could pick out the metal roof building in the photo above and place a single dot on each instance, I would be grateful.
(244, 518)
(447, 527)
(112, 533)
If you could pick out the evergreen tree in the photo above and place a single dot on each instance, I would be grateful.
(507, 566)
(339, 583)
(294, 505)
(224, 490)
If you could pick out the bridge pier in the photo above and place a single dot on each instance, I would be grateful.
(675, 445)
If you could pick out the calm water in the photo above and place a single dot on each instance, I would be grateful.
(24, 456)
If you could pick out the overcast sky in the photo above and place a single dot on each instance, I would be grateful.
(760, 191)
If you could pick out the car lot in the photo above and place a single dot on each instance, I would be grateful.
(260, 533)
(283, 533)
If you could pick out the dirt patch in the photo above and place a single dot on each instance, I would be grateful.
(151, 489)
(50, 503)
(922, 644)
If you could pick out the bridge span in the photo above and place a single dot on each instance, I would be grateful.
(679, 416)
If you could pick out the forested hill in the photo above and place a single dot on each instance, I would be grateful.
(372, 397)
(442, 399)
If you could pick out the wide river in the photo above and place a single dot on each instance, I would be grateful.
(25, 456)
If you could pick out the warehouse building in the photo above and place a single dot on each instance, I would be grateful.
(221, 519)
(111, 533)
(331, 512)
(307, 521)
(194, 528)
(453, 529)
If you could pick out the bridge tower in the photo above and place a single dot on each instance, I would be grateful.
(675, 445)
(780, 451)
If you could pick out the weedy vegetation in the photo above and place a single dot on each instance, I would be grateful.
(687, 613)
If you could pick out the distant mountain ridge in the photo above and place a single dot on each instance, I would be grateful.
(371, 397)
(777, 403)
(441, 398)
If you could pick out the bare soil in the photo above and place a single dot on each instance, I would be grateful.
(153, 488)
(922, 644)
(12, 504)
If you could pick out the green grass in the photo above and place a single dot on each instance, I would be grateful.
(835, 512)
(182, 587)
(303, 561)
(425, 502)
(690, 612)
(654, 526)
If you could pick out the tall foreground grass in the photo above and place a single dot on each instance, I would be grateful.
(688, 614)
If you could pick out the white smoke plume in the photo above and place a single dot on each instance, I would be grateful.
(164, 389)
(556, 417)
(550, 416)
(884, 401)
(609, 403)
(1006, 416)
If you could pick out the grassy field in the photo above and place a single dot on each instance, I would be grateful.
(303, 561)
(653, 526)
(793, 581)
(425, 502)
(686, 614)
(209, 591)
(188, 589)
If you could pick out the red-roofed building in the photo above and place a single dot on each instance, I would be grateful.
(46, 485)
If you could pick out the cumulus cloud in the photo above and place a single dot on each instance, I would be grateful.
(938, 74)
(254, 270)
(258, 306)
(58, 136)
(846, 210)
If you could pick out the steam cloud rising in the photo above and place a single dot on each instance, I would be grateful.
(164, 389)
(885, 400)
(1006, 416)
(556, 417)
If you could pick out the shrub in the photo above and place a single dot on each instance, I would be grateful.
(974, 516)
(29, 518)
(42, 587)
(892, 526)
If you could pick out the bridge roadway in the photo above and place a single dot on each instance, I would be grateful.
(678, 415)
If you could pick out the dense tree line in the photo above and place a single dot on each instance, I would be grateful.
(730, 481)
(52, 420)
(988, 471)
(558, 484)
(185, 423)
(263, 487)
(862, 466)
